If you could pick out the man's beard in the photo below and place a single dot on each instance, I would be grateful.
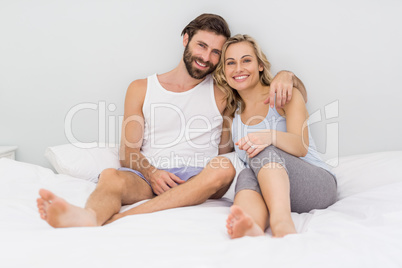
(195, 73)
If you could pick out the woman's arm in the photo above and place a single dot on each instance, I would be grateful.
(295, 141)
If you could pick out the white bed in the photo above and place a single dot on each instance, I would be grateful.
(363, 229)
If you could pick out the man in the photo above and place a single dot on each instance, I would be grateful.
(170, 138)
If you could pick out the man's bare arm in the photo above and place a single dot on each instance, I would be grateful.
(297, 83)
(132, 137)
(226, 144)
(133, 130)
(282, 86)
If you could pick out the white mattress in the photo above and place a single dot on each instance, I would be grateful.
(363, 229)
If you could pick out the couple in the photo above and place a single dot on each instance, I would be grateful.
(188, 116)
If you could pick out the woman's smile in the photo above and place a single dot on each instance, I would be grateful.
(240, 78)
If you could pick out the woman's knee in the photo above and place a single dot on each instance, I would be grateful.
(246, 180)
(269, 158)
(267, 155)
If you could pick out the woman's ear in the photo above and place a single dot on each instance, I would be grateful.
(185, 39)
(260, 67)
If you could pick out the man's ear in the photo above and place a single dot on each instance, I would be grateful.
(185, 39)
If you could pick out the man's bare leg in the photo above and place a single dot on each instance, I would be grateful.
(59, 213)
(213, 181)
(115, 188)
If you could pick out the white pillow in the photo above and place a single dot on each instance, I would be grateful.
(360, 173)
(82, 163)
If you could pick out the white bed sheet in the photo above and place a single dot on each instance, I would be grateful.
(363, 229)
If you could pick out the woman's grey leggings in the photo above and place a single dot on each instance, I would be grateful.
(311, 187)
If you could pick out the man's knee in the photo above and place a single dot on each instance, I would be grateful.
(112, 178)
(222, 169)
(108, 174)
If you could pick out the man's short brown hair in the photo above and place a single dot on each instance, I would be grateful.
(207, 22)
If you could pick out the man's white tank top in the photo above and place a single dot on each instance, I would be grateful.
(181, 128)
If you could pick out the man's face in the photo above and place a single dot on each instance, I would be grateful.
(202, 53)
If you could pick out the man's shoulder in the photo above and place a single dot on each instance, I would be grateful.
(138, 84)
(137, 90)
(220, 98)
(219, 92)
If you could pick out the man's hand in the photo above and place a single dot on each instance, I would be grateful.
(282, 85)
(161, 181)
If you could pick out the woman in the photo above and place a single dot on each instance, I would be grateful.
(283, 172)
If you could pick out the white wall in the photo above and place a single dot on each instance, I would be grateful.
(55, 55)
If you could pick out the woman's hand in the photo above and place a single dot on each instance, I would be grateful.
(255, 142)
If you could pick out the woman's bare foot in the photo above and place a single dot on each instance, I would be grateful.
(58, 213)
(240, 224)
(282, 227)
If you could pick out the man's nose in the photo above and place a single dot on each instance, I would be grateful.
(206, 56)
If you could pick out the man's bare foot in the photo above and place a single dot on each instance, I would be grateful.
(281, 228)
(240, 224)
(58, 213)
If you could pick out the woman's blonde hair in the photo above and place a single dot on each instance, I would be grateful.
(233, 99)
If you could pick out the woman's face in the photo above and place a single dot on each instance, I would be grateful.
(242, 70)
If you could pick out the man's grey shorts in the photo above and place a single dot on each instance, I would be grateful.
(184, 173)
(311, 187)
